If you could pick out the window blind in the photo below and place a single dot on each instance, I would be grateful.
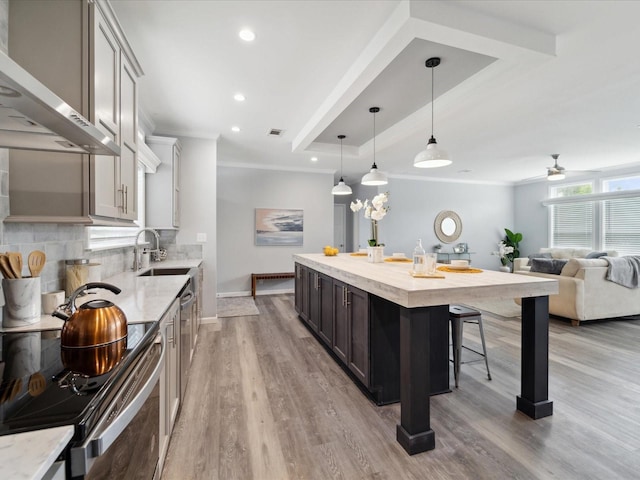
(572, 225)
(621, 219)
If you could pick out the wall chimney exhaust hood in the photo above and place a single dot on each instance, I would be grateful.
(32, 117)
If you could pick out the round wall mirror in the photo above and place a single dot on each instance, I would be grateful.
(448, 226)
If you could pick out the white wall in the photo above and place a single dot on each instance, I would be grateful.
(198, 163)
(240, 192)
(485, 210)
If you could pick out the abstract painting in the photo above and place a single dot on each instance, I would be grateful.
(278, 226)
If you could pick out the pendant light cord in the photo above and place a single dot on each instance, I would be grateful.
(341, 157)
(374, 138)
(432, 101)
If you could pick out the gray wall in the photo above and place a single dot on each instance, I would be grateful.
(240, 192)
(485, 210)
(532, 218)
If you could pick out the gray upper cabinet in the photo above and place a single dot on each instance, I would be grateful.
(163, 187)
(77, 49)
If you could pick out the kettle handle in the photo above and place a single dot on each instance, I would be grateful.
(88, 286)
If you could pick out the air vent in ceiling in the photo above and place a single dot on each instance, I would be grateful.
(276, 132)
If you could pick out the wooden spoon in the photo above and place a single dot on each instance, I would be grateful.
(5, 266)
(15, 260)
(37, 384)
(36, 262)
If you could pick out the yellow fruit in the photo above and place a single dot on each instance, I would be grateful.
(334, 251)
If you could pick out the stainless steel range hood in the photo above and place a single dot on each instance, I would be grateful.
(32, 117)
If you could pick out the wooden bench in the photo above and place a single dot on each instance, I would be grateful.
(268, 276)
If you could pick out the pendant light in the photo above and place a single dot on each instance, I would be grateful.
(341, 188)
(433, 156)
(374, 177)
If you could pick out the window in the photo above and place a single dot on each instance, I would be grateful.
(572, 223)
(604, 220)
(621, 217)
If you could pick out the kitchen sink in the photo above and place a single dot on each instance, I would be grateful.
(154, 272)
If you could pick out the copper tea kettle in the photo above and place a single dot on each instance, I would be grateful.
(94, 323)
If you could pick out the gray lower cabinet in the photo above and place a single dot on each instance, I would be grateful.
(170, 377)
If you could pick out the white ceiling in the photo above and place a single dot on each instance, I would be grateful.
(519, 80)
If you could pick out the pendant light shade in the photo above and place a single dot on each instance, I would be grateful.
(341, 188)
(374, 177)
(433, 156)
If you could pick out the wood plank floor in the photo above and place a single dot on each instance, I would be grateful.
(265, 401)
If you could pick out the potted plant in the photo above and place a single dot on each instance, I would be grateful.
(508, 249)
(437, 248)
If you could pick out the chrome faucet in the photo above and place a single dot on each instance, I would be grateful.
(136, 248)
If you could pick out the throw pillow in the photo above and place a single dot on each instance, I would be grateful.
(548, 265)
(539, 255)
(595, 254)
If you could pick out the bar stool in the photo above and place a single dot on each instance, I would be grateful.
(459, 315)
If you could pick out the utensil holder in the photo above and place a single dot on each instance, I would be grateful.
(22, 303)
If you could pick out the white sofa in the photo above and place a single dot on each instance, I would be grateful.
(586, 294)
(520, 264)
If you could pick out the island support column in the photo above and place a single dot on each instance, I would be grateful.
(417, 325)
(534, 397)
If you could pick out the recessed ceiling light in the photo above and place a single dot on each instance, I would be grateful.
(247, 35)
(314, 159)
(238, 97)
(235, 129)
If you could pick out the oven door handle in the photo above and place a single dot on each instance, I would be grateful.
(94, 447)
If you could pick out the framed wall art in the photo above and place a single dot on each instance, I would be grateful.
(279, 226)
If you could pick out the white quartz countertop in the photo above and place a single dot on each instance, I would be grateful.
(392, 281)
(29, 455)
(143, 299)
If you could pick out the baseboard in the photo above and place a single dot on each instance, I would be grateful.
(248, 293)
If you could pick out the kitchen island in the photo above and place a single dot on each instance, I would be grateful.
(422, 308)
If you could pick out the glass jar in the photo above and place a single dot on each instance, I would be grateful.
(77, 274)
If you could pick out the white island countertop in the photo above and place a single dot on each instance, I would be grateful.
(143, 299)
(392, 281)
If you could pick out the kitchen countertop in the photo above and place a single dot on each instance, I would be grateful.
(29, 455)
(143, 299)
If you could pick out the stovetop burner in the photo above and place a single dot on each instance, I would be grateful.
(43, 387)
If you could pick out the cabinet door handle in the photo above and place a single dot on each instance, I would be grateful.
(171, 339)
(317, 282)
(126, 199)
(346, 297)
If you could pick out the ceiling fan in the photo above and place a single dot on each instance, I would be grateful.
(556, 172)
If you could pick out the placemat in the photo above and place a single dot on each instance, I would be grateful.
(358, 254)
(453, 270)
(392, 259)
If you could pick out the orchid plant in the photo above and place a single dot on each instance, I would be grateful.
(375, 210)
(504, 252)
